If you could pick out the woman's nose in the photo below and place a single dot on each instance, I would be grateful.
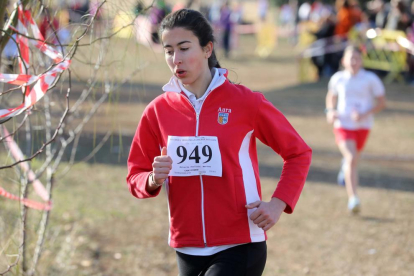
(177, 59)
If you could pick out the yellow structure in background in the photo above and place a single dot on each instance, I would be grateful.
(381, 51)
(306, 38)
(307, 71)
(120, 26)
(266, 39)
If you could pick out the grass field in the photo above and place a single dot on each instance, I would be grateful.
(98, 228)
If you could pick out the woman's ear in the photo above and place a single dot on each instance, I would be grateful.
(208, 49)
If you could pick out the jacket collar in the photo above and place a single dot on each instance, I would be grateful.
(174, 86)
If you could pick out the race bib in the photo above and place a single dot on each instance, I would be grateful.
(194, 155)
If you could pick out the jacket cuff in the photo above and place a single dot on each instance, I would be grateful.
(286, 199)
(147, 194)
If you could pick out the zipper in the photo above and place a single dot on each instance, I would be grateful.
(197, 120)
(202, 211)
(201, 178)
(198, 114)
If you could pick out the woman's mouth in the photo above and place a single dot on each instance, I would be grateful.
(180, 73)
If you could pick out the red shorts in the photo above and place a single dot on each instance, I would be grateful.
(359, 136)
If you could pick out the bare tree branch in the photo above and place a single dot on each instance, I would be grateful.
(10, 266)
(17, 128)
(49, 187)
(40, 150)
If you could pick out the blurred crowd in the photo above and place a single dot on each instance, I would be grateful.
(331, 23)
(222, 15)
(335, 21)
(341, 17)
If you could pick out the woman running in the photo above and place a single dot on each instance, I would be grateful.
(354, 95)
(198, 140)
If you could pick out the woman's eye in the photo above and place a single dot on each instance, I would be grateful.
(184, 49)
(169, 52)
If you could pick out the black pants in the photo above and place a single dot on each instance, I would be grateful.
(242, 260)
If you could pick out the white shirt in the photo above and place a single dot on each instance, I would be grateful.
(197, 103)
(355, 93)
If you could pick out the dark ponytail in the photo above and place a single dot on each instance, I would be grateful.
(193, 21)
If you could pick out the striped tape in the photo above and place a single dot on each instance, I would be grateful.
(27, 202)
(41, 83)
(40, 190)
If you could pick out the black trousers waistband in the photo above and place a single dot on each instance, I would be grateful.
(242, 260)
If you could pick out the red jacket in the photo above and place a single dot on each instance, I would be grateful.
(208, 210)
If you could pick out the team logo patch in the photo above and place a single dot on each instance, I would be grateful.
(223, 118)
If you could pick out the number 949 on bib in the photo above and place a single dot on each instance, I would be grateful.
(194, 155)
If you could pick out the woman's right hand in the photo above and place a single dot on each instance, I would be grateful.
(331, 116)
(161, 167)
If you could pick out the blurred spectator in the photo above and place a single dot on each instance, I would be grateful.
(63, 16)
(64, 32)
(304, 11)
(237, 14)
(316, 11)
(399, 17)
(10, 53)
(410, 57)
(236, 18)
(78, 9)
(327, 63)
(410, 31)
(286, 15)
(214, 13)
(378, 13)
(156, 15)
(226, 25)
(348, 15)
(263, 6)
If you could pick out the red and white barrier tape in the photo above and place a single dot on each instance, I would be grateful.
(45, 80)
(323, 46)
(29, 203)
(37, 185)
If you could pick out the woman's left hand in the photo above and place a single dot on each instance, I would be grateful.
(267, 213)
